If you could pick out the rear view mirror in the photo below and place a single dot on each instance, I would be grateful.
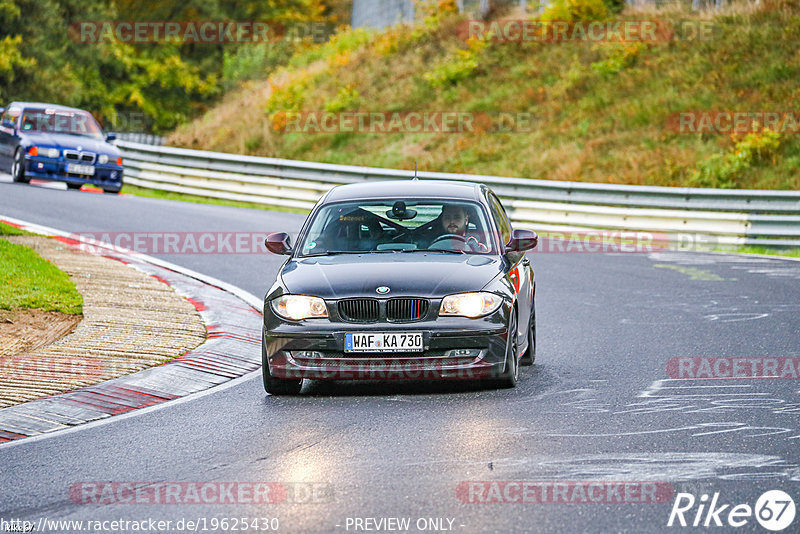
(111, 136)
(279, 243)
(522, 240)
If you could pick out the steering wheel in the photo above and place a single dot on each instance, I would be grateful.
(448, 236)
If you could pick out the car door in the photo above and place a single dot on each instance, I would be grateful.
(517, 265)
(9, 138)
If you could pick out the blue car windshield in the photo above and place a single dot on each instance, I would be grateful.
(61, 122)
(399, 225)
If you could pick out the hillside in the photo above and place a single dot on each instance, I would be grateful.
(601, 111)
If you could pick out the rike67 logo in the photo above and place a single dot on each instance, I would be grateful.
(774, 510)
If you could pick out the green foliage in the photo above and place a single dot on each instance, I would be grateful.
(620, 56)
(346, 98)
(575, 10)
(290, 97)
(722, 170)
(459, 67)
(341, 44)
(42, 58)
(254, 61)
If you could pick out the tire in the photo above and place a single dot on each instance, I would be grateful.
(530, 354)
(277, 386)
(511, 373)
(111, 191)
(18, 168)
(74, 186)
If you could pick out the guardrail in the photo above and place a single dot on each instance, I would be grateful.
(730, 217)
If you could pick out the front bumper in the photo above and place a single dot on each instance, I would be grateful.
(108, 177)
(454, 348)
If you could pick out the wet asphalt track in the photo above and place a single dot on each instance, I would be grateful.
(598, 405)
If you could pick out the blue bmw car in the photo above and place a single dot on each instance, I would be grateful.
(58, 143)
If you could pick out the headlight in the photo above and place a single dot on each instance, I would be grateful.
(470, 304)
(102, 159)
(49, 152)
(299, 307)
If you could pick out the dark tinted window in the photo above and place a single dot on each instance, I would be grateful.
(399, 225)
(499, 215)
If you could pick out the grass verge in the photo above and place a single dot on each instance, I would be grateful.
(7, 229)
(788, 252)
(29, 281)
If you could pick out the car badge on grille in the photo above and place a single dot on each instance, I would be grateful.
(382, 290)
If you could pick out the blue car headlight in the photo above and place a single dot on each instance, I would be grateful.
(102, 159)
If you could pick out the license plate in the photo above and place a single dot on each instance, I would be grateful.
(74, 168)
(383, 342)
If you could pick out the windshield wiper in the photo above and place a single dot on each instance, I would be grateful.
(334, 253)
(435, 250)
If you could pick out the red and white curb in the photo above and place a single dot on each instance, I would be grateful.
(233, 321)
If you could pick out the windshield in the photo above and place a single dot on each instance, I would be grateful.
(63, 122)
(408, 226)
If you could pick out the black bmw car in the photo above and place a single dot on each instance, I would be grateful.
(401, 280)
(50, 142)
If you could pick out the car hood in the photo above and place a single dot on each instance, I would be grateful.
(418, 274)
(88, 144)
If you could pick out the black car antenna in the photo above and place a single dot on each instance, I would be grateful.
(415, 170)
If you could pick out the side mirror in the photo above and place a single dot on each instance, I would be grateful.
(278, 243)
(522, 240)
(111, 136)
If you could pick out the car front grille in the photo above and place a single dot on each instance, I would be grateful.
(399, 310)
(406, 310)
(83, 157)
(359, 310)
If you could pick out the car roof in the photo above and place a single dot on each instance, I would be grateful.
(406, 189)
(26, 105)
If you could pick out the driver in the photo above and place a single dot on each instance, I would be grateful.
(454, 220)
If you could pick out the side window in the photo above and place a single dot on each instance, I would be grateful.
(6, 117)
(499, 215)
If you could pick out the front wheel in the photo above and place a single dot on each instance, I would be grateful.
(74, 186)
(18, 168)
(277, 386)
(530, 354)
(511, 373)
